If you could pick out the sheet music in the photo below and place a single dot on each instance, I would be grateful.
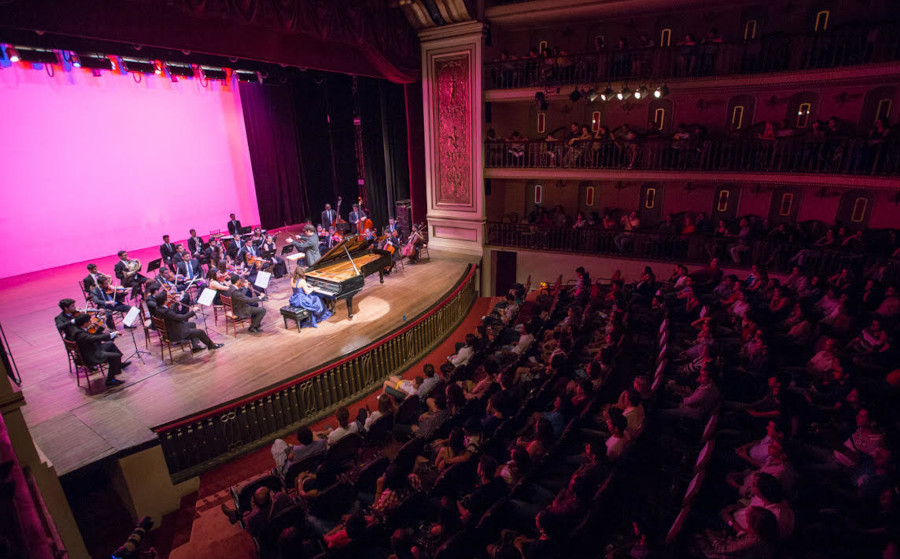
(132, 315)
(207, 297)
(262, 279)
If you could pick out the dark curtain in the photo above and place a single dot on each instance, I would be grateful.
(382, 114)
(271, 137)
(326, 138)
(415, 133)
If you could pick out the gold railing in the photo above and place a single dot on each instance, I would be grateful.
(197, 443)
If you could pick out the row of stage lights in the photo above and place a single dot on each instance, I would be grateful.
(608, 94)
(643, 92)
(97, 62)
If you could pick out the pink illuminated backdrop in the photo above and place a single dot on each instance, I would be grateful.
(91, 165)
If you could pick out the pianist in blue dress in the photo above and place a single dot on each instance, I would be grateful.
(304, 297)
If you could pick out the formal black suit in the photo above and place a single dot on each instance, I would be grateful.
(328, 218)
(89, 282)
(95, 349)
(354, 219)
(134, 280)
(178, 327)
(310, 246)
(234, 228)
(108, 302)
(65, 323)
(240, 303)
(195, 245)
(189, 270)
(167, 251)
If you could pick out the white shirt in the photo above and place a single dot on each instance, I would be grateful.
(463, 356)
(337, 434)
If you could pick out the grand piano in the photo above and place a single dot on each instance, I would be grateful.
(341, 272)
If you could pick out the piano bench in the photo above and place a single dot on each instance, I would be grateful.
(297, 314)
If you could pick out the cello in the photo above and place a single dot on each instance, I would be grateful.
(410, 247)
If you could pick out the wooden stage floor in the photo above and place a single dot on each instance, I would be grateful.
(74, 429)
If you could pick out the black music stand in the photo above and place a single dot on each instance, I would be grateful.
(245, 230)
(154, 265)
(287, 249)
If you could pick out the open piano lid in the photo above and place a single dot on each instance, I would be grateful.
(354, 245)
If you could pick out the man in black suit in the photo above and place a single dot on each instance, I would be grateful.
(95, 349)
(65, 320)
(241, 304)
(189, 269)
(328, 216)
(178, 327)
(195, 244)
(234, 227)
(393, 226)
(90, 280)
(167, 251)
(129, 279)
(355, 217)
(308, 243)
(108, 301)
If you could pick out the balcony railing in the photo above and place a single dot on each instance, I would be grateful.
(695, 249)
(196, 443)
(772, 53)
(831, 155)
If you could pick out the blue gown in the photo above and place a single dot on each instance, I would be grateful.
(311, 302)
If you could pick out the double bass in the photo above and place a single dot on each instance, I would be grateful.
(339, 223)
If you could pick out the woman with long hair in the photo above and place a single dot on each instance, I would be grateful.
(304, 297)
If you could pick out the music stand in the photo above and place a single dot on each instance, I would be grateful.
(245, 230)
(128, 320)
(287, 249)
(154, 265)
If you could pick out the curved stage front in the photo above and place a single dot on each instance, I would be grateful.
(210, 406)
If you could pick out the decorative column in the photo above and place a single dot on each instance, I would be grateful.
(454, 182)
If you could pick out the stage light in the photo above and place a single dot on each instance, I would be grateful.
(94, 61)
(73, 58)
(37, 56)
(182, 70)
(641, 93)
(625, 93)
(12, 54)
(575, 95)
(592, 95)
(157, 68)
(135, 65)
(213, 73)
(247, 76)
(661, 92)
(607, 94)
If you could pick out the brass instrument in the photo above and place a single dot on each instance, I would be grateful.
(132, 267)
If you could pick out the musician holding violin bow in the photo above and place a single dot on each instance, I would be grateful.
(110, 299)
(95, 346)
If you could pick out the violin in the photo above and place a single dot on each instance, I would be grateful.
(96, 324)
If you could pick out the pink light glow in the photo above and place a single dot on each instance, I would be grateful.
(132, 161)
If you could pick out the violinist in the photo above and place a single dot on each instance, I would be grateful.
(90, 280)
(172, 287)
(65, 320)
(213, 253)
(178, 327)
(217, 279)
(279, 267)
(393, 226)
(242, 304)
(98, 348)
(251, 259)
(109, 299)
